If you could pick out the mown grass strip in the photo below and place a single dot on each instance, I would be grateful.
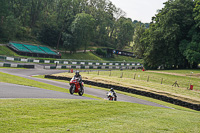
(60, 115)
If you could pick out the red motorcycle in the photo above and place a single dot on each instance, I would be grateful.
(75, 87)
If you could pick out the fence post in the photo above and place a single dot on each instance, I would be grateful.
(148, 79)
(110, 73)
(134, 75)
(121, 75)
(161, 80)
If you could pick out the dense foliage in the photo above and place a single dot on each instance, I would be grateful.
(68, 24)
(173, 38)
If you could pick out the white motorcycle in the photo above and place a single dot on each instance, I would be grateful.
(111, 97)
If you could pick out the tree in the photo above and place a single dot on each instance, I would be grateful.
(69, 44)
(169, 27)
(124, 32)
(139, 46)
(49, 34)
(190, 46)
(82, 28)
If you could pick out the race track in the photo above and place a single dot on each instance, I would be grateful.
(8, 91)
(19, 91)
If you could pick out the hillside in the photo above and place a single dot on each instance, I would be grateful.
(76, 56)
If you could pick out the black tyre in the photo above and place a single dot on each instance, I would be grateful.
(115, 99)
(81, 92)
(72, 89)
(110, 98)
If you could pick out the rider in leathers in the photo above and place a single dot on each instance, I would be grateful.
(77, 75)
(114, 93)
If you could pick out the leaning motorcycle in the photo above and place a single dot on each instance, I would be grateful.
(75, 87)
(111, 97)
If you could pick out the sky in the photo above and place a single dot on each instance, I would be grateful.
(141, 10)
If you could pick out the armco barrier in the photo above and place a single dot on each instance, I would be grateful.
(73, 62)
(135, 91)
(16, 65)
(90, 67)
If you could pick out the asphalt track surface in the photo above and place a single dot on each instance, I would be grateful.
(9, 90)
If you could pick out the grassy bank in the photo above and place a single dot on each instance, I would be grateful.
(57, 115)
(6, 51)
(77, 56)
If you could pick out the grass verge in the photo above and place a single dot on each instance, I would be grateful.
(59, 115)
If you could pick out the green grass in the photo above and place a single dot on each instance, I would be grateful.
(188, 71)
(7, 78)
(168, 79)
(80, 56)
(59, 115)
(6, 51)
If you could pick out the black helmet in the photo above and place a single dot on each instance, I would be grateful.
(77, 73)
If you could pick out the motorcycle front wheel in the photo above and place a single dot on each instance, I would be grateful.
(81, 92)
(72, 89)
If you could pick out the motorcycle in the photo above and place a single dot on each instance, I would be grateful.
(111, 97)
(75, 87)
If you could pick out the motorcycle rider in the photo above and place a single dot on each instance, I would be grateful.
(78, 76)
(114, 93)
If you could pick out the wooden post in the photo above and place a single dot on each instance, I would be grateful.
(134, 75)
(110, 73)
(121, 75)
(148, 79)
(161, 80)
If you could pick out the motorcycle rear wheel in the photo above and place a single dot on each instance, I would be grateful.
(110, 98)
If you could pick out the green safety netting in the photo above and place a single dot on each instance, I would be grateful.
(20, 47)
(47, 50)
(34, 49)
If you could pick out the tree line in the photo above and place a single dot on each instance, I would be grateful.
(173, 37)
(171, 40)
(69, 24)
